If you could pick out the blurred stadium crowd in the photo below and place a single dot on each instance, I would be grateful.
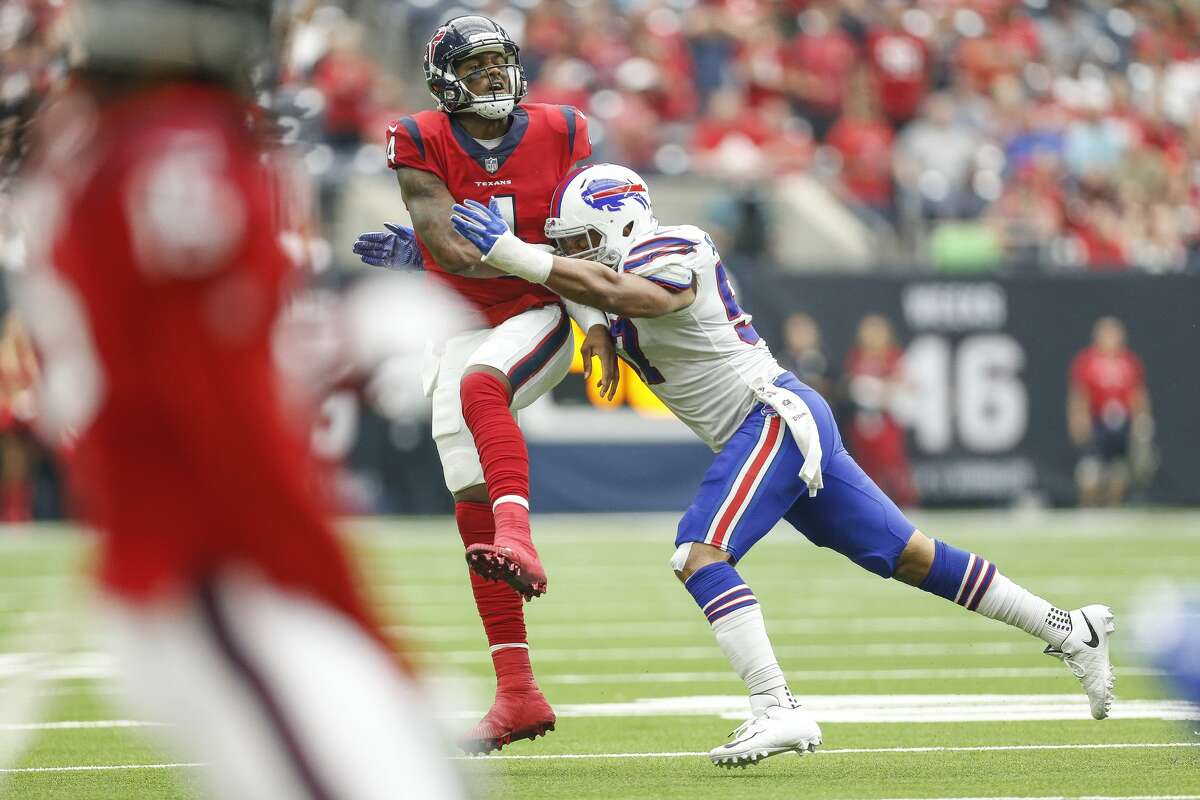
(1051, 133)
(1064, 133)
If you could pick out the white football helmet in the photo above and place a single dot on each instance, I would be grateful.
(609, 203)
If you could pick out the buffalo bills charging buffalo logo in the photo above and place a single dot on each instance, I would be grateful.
(610, 194)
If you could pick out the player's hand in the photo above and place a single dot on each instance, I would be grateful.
(394, 249)
(598, 343)
(480, 225)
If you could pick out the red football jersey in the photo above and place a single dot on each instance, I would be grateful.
(1109, 380)
(155, 279)
(540, 148)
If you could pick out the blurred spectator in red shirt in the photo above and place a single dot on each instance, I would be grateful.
(900, 64)
(819, 63)
(762, 63)
(1108, 414)
(863, 140)
(1098, 232)
(731, 134)
(874, 374)
(346, 78)
(998, 44)
(563, 81)
(742, 143)
(1028, 217)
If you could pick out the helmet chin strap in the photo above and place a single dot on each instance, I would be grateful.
(493, 109)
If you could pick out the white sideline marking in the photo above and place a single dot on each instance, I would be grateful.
(849, 750)
(1069, 797)
(659, 628)
(98, 666)
(830, 675)
(103, 767)
(791, 651)
(58, 667)
(854, 751)
(70, 725)
(871, 708)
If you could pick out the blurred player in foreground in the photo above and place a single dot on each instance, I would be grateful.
(155, 279)
(481, 142)
(779, 455)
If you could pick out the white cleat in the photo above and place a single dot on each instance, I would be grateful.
(1085, 652)
(777, 730)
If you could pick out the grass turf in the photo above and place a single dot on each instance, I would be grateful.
(617, 627)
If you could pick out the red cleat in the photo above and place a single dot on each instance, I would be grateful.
(516, 714)
(514, 562)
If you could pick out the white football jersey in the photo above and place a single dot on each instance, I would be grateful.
(701, 361)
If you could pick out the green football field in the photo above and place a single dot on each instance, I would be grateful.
(917, 697)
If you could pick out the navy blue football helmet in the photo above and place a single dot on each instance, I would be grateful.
(457, 39)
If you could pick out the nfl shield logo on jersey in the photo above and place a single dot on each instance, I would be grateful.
(491, 164)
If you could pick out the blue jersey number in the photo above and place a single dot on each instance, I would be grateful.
(627, 342)
(733, 311)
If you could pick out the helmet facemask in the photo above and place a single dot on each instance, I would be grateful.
(594, 246)
(455, 96)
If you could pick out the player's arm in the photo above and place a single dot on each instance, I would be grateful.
(584, 282)
(1079, 417)
(428, 199)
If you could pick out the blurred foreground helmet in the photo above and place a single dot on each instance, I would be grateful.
(222, 40)
(462, 37)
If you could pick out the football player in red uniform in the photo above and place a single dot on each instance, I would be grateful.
(155, 277)
(478, 144)
(1108, 414)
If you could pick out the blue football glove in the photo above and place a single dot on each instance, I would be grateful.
(479, 224)
(395, 250)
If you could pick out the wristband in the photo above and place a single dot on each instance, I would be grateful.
(509, 254)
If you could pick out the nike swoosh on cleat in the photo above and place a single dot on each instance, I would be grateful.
(735, 744)
(1095, 640)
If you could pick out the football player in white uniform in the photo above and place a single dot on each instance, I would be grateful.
(778, 451)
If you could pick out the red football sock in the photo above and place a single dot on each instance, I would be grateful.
(500, 606)
(16, 501)
(501, 449)
(513, 670)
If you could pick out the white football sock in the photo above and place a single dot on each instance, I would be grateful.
(742, 636)
(1009, 603)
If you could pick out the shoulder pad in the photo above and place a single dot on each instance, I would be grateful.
(668, 256)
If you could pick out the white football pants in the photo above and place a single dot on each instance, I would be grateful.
(533, 348)
(279, 695)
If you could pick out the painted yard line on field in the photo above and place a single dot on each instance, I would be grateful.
(912, 708)
(921, 708)
(98, 666)
(102, 767)
(85, 665)
(849, 751)
(425, 591)
(1068, 797)
(70, 725)
(794, 651)
(1039, 524)
(656, 628)
(844, 751)
(949, 673)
